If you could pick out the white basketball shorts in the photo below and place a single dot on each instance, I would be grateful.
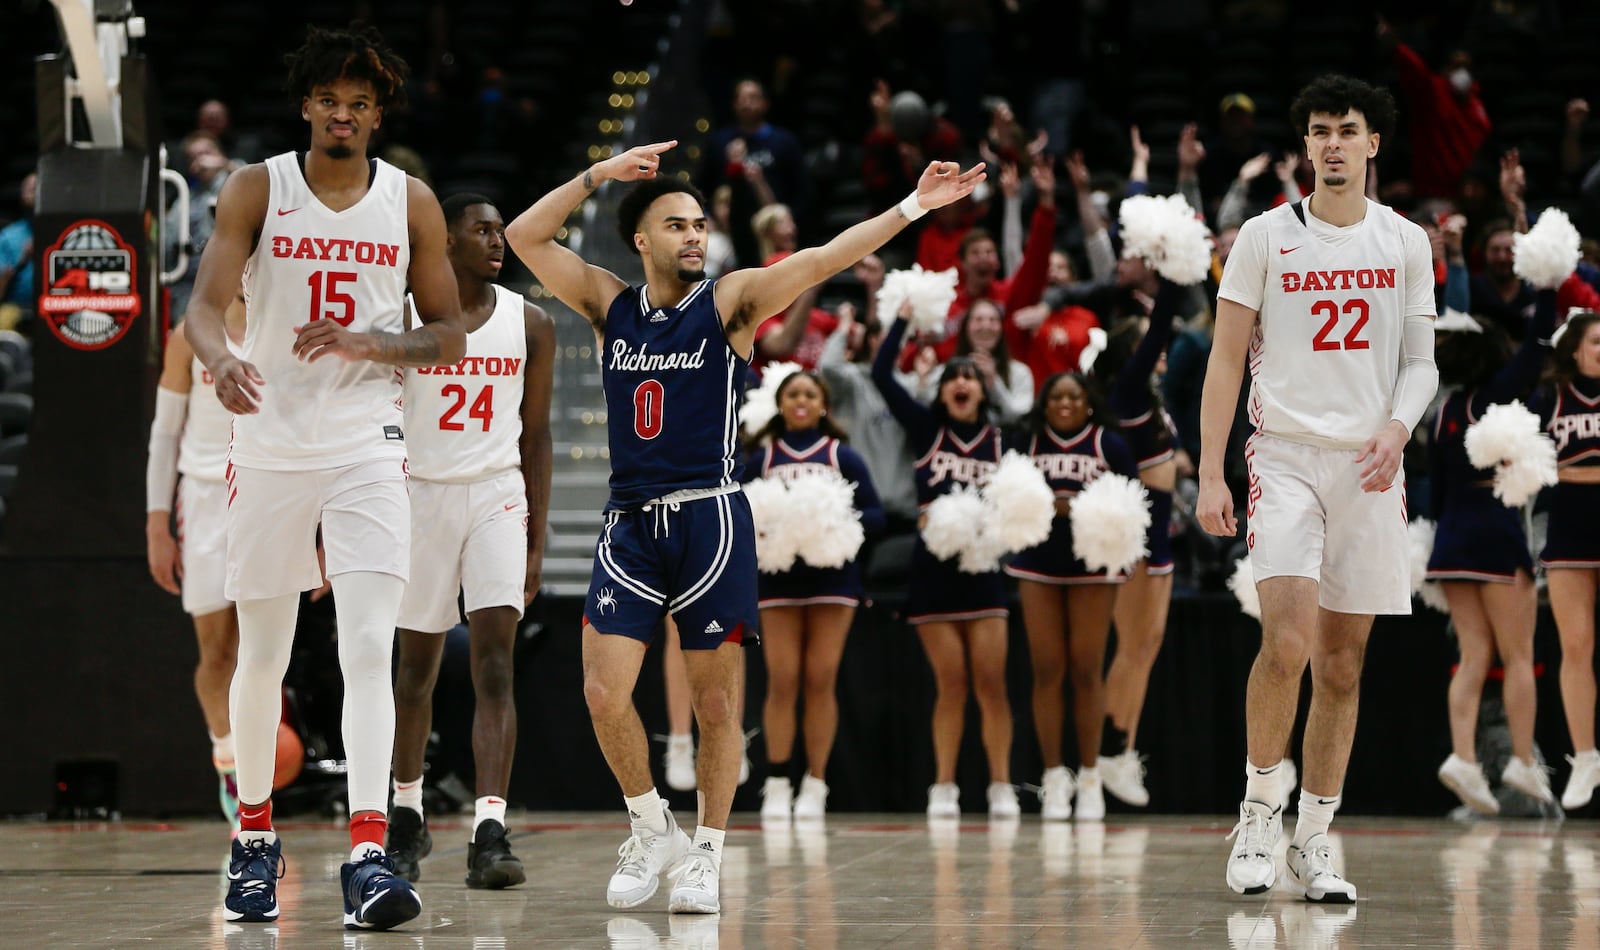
(1308, 517)
(469, 538)
(273, 518)
(203, 544)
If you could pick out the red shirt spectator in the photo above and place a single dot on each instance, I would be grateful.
(1448, 123)
(820, 325)
(939, 245)
(1057, 343)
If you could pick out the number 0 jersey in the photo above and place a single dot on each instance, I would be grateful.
(312, 263)
(464, 422)
(673, 386)
(1325, 354)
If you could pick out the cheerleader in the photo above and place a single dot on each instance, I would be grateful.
(1127, 367)
(806, 611)
(1480, 555)
(960, 617)
(1571, 556)
(1066, 607)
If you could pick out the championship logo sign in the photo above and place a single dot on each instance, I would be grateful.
(89, 299)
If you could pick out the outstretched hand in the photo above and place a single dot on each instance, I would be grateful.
(945, 183)
(637, 163)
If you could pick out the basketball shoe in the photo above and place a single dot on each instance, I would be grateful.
(253, 873)
(694, 886)
(375, 898)
(1252, 867)
(1311, 873)
(640, 861)
(409, 841)
(490, 863)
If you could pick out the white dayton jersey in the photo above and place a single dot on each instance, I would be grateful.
(312, 263)
(203, 452)
(1332, 302)
(465, 421)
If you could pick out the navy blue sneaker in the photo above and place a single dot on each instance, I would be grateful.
(253, 874)
(375, 898)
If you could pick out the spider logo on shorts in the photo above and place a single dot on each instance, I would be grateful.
(606, 600)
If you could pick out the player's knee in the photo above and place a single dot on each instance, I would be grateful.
(1286, 652)
(1339, 672)
(605, 700)
(413, 685)
(492, 680)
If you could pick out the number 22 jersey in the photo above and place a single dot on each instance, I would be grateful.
(1325, 353)
(312, 263)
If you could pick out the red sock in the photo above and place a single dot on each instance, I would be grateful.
(255, 817)
(367, 827)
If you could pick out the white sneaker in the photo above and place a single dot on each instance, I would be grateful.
(1290, 777)
(1467, 781)
(1124, 777)
(1311, 871)
(1529, 779)
(640, 861)
(1581, 783)
(1252, 868)
(1055, 794)
(812, 801)
(680, 763)
(1003, 800)
(776, 799)
(1091, 797)
(694, 887)
(944, 800)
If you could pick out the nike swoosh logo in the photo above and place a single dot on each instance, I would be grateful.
(1281, 250)
(1326, 801)
(509, 507)
(373, 900)
(282, 212)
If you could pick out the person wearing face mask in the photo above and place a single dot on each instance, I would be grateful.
(960, 617)
(1448, 121)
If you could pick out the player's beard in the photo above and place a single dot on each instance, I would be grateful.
(690, 275)
(339, 150)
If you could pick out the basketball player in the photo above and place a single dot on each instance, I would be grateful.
(326, 241)
(1331, 301)
(189, 437)
(678, 536)
(480, 464)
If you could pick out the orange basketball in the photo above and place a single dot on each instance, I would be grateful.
(291, 756)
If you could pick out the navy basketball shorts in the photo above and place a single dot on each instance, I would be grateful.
(695, 559)
(1572, 539)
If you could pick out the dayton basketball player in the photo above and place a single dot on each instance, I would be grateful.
(189, 437)
(1331, 301)
(677, 535)
(326, 241)
(480, 492)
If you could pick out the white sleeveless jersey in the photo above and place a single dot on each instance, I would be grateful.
(314, 264)
(464, 422)
(1331, 302)
(203, 450)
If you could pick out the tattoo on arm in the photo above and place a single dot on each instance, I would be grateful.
(418, 347)
(588, 180)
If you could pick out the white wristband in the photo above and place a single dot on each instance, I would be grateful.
(910, 208)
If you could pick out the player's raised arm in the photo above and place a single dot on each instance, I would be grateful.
(241, 209)
(584, 287)
(746, 296)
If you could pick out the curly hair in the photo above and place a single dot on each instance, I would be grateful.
(631, 209)
(357, 53)
(1334, 94)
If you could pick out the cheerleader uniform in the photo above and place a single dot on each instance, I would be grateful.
(1479, 537)
(948, 455)
(804, 452)
(1068, 463)
(1572, 417)
(1146, 427)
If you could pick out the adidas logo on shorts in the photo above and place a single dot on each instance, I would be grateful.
(713, 627)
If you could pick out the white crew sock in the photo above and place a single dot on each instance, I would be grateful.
(647, 813)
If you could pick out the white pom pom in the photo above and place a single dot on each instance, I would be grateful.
(1092, 350)
(1243, 585)
(1420, 534)
(931, 292)
(1022, 503)
(982, 552)
(1547, 255)
(952, 520)
(822, 505)
(1509, 440)
(1432, 597)
(761, 403)
(1165, 231)
(777, 537)
(1109, 519)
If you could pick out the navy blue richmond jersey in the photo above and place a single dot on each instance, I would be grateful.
(1072, 461)
(952, 460)
(673, 386)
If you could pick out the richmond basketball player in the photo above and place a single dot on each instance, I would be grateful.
(678, 536)
(326, 241)
(1330, 301)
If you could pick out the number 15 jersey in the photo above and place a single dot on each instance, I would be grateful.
(1331, 303)
(311, 263)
